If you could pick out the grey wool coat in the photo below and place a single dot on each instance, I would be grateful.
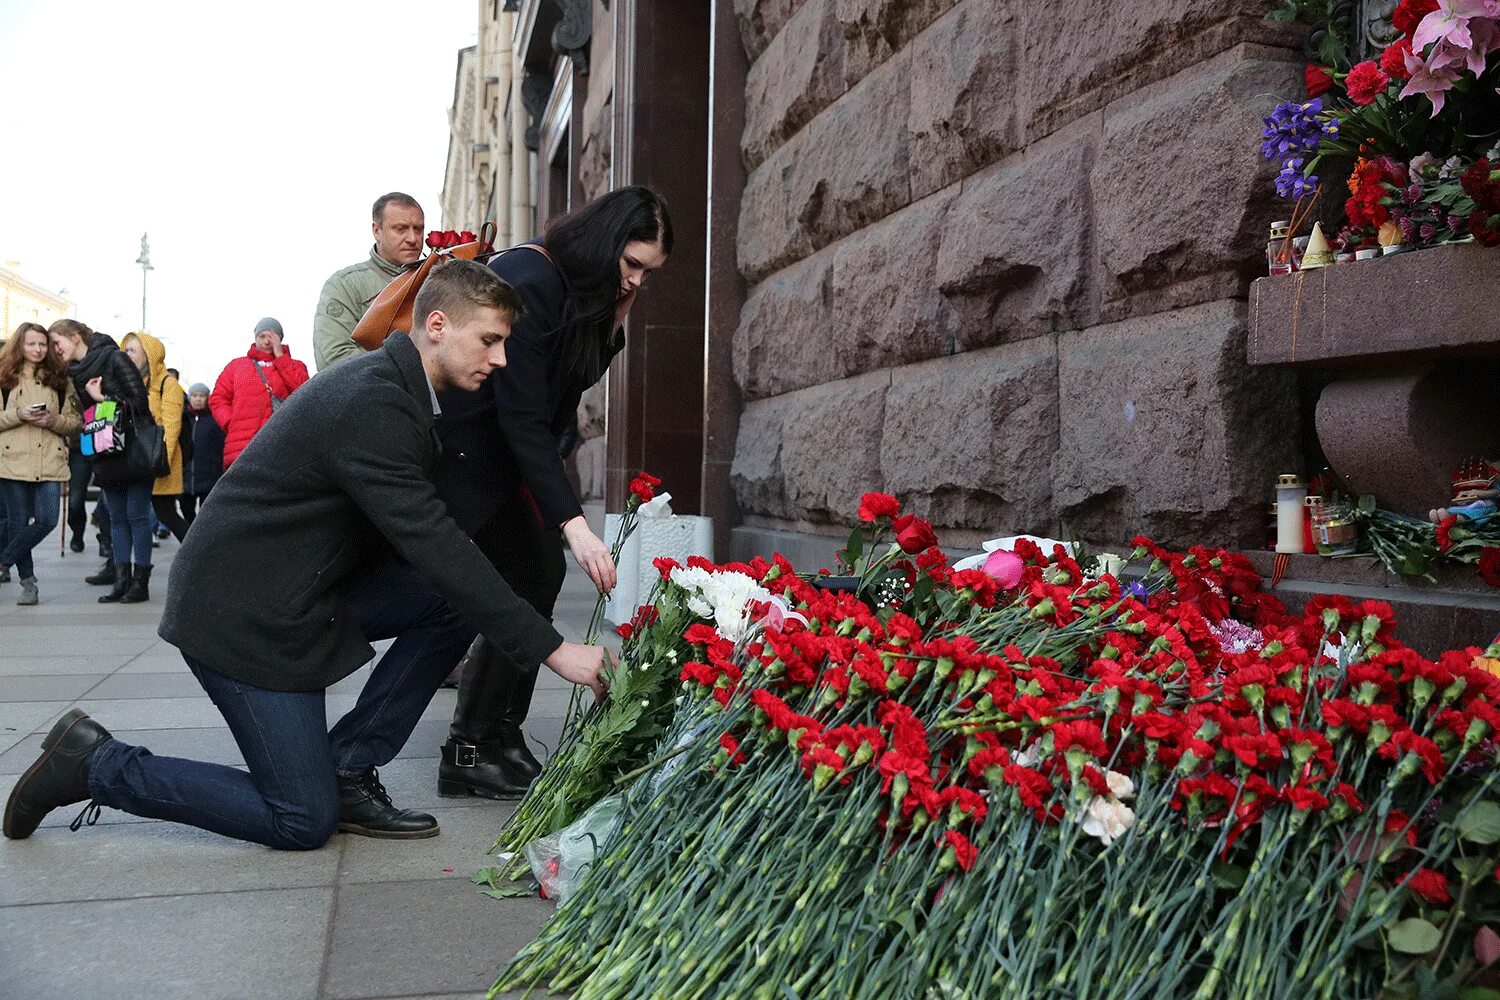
(341, 471)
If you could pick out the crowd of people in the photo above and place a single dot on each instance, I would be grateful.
(52, 377)
(414, 492)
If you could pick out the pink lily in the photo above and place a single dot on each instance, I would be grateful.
(1450, 21)
(1434, 81)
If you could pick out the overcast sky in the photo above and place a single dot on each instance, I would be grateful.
(248, 140)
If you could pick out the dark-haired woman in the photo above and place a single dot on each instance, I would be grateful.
(501, 472)
(100, 370)
(38, 413)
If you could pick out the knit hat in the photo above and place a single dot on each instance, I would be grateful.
(269, 323)
(198, 387)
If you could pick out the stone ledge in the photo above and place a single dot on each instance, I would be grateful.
(1379, 314)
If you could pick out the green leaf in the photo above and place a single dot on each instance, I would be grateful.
(1229, 876)
(1478, 993)
(856, 546)
(1474, 869)
(1414, 936)
(1481, 824)
(513, 892)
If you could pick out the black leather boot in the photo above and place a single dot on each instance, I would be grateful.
(140, 586)
(122, 585)
(60, 775)
(486, 754)
(365, 809)
(104, 578)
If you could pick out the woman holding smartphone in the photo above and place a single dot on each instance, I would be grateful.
(39, 413)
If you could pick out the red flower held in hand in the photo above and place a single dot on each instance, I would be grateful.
(644, 486)
(1366, 82)
(1318, 81)
(873, 506)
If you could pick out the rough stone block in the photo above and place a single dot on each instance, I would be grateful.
(1181, 193)
(800, 73)
(1018, 264)
(1165, 430)
(863, 304)
(761, 20)
(1129, 46)
(786, 337)
(846, 169)
(811, 454)
(969, 440)
(963, 108)
(874, 30)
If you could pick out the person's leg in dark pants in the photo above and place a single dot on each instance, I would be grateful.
(79, 471)
(4, 536)
(165, 506)
(288, 800)
(486, 752)
(392, 599)
(188, 502)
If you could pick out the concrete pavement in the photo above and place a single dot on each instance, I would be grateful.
(136, 908)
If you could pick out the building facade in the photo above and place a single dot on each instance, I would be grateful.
(21, 301)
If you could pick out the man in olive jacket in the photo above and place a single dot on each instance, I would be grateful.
(325, 535)
(396, 222)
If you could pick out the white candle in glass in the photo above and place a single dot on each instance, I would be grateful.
(1290, 494)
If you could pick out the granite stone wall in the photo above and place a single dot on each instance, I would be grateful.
(998, 256)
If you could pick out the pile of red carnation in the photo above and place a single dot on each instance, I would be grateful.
(1162, 782)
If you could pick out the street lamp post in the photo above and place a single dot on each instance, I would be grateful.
(145, 261)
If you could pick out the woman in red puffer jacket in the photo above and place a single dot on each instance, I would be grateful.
(241, 400)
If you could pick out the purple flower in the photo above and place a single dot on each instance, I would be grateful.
(1137, 589)
(1292, 182)
(1293, 129)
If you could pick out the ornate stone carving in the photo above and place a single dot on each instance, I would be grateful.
(1365, 25)
(536, 88)
(1376, 22)
(571, 36)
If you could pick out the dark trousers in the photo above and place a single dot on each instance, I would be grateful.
(188, 502)
(494, 693)
(31, 509)
(82, 470)
(289, 798)
(165, 507)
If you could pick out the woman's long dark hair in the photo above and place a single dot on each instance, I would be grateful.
(587, 246)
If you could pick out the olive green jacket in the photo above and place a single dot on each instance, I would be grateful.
(346, 296)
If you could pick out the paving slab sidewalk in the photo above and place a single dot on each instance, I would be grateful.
(135, 908)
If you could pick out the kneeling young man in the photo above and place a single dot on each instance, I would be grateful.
(326, 534)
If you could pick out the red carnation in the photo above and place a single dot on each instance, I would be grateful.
(873, 506)
(1489, 565)
(963, 851)
(644, 487)
(1430, 885)
(1393, 59)
(1485, 228)
(914, 534)
(1366, 82)
(1444, 532)
(625, 631)
(1318, 81)
(1409, 14)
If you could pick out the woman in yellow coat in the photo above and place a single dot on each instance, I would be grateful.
(167, 399)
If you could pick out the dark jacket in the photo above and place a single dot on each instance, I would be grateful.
(506, 434)
(122, 380)
(256, 588)
(207, 463)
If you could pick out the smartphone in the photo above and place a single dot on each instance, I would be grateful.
(34, 407)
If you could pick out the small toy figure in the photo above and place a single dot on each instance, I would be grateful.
(1474, 494)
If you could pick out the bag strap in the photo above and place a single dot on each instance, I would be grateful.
(266, 382)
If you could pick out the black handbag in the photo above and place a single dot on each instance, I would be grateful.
(143, 460)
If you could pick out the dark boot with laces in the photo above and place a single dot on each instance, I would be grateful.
(365, 809)
(60, 776)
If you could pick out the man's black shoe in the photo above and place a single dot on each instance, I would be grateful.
(365, 809)
(467, 770)
(76, 542)
(59, 777)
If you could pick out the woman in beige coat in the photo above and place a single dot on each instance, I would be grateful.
(167, 399)
(38, 414)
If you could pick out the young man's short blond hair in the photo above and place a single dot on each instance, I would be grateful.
(458, 287)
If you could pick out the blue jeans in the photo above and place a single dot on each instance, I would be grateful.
(290, 799)
(130, 520)
(37, 502)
